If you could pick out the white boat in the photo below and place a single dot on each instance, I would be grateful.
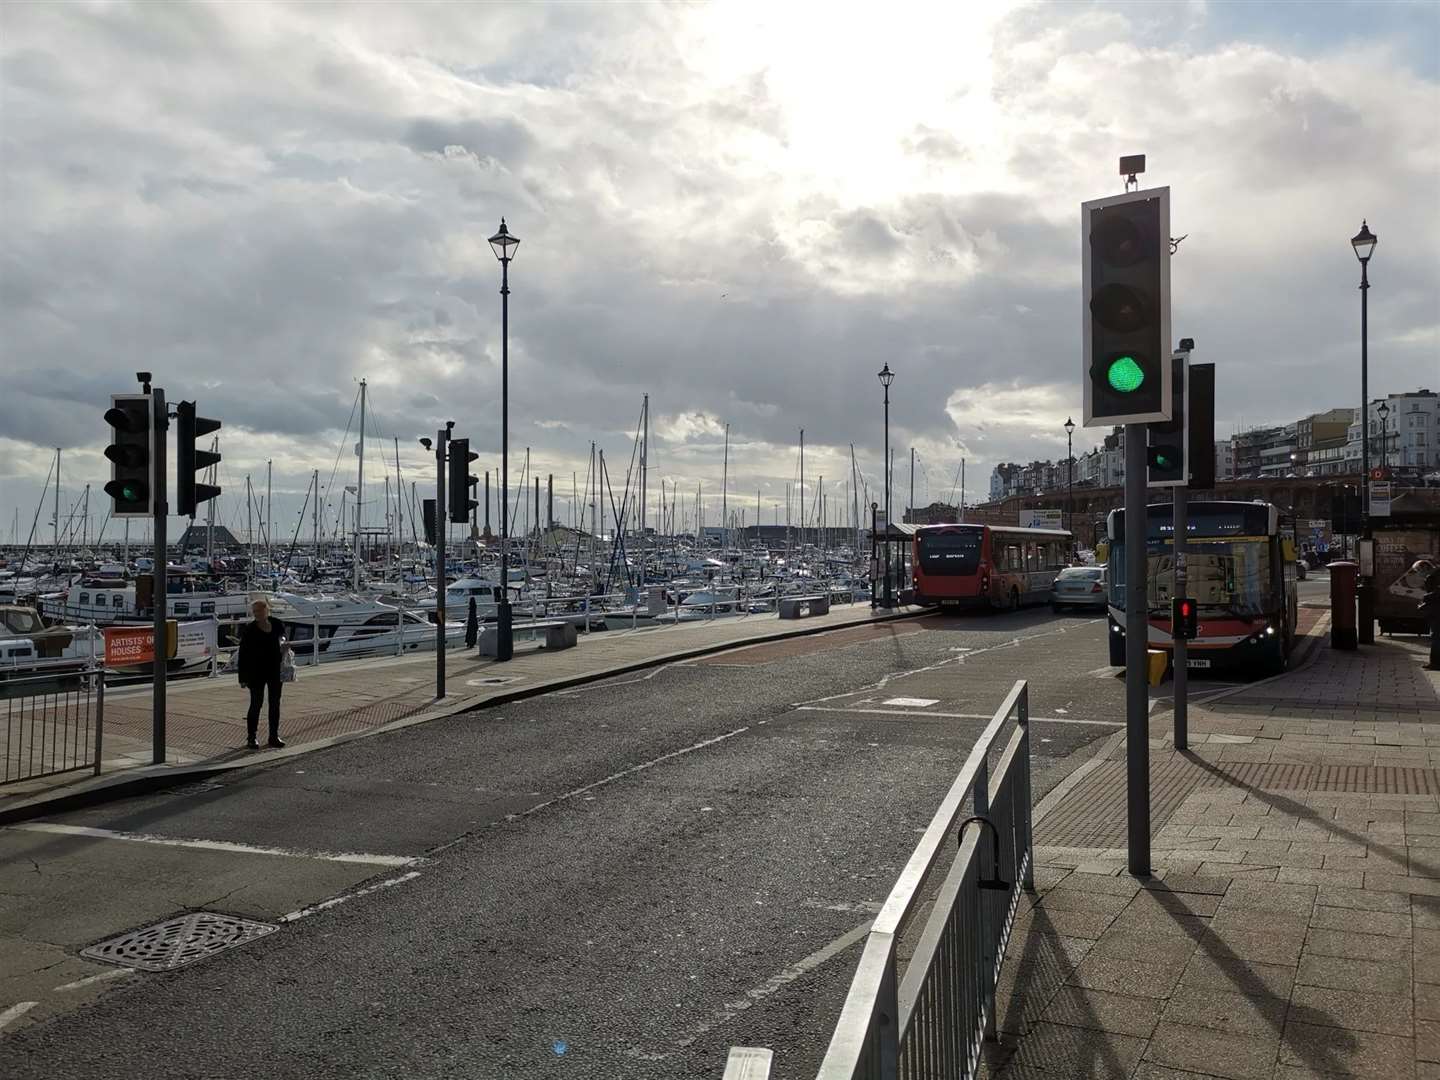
(351, 626)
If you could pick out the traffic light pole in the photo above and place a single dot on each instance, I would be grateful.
(442, 529)
(161, 513)
(1137, 632)
(1182, 644)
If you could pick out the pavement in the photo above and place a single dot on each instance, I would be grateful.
(1290, 928)
(333, 702)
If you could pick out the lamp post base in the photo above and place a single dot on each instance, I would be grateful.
(504, 632)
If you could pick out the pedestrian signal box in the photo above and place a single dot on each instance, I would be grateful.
(1184, 618)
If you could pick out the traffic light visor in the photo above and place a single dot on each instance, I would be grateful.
(1119, 241)
(1121, 308)
(125, 419)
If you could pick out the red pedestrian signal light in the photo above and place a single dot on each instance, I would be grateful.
(1184, 618)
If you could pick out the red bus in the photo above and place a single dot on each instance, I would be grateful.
(991, 566)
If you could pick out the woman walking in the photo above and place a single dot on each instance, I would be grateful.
(262, 650)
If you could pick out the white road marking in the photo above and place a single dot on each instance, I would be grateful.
(14, 1012)
(1102, 672)
(601, 783)
(957, 715)
(212, 845)
(959, 658)
(611, 682)
(335, 901)
(102, 977)
(911, 702)
(776, 982)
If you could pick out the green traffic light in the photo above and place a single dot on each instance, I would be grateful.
(130, 493)
(1125, 375)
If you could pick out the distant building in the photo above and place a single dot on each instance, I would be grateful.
(937, 513)
(1412, 431)
(196, 537)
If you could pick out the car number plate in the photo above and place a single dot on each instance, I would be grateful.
(1197, 663)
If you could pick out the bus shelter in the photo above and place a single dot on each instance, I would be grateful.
(898, 542)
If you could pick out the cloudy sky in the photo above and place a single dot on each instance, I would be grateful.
(741, 210)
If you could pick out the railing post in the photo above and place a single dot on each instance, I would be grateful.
(99, 714)
(887, 1020)
(1025, 794)
(314, 640)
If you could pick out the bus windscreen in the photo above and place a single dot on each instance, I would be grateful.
(950, 553)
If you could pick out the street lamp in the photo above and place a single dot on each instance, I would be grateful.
(1364, 244)
(887, 377)
(1384, 411)
(1070, 479)
(503, 244)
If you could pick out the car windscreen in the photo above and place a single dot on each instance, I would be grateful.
(1088, 573)
(950, 552)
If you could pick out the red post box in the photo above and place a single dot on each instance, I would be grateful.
(1342, 605)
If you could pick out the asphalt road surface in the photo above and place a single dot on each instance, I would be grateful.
(621, 880)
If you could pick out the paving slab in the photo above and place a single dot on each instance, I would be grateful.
(1387, 1014)
(1214, 1053)
(1350, 1053)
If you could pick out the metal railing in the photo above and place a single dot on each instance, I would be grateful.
(52, 723)
(931, 1019)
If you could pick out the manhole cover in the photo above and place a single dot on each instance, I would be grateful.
(178, 941)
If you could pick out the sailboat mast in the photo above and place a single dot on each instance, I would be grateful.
(210, 511)
(269, 517)
(314, 524)
(724, 496)
(399, 503)
(57, 503)
(360, 493)
(644, 476)
(802, 488)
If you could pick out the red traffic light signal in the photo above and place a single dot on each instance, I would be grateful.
(1184, 618)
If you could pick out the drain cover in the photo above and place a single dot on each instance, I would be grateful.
(178, 941)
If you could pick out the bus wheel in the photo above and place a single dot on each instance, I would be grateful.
(1014, 599)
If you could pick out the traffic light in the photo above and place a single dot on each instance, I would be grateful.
(1184, 618)
(1200, 424)
(457, 495)
(132, 422)
(427, 508)
(1126, 283)
(190, 462)
(1166, 449)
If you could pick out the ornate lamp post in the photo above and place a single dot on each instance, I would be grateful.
(1070, 479)
(503, 244)
(1384, 411)
(1364, 244)
(887, 377)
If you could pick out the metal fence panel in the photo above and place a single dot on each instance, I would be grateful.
(932, 1023)
(52, 723)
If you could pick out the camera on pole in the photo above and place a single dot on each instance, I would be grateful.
(131, 455)
(458, 500)
(1126, 315)
(191, 462)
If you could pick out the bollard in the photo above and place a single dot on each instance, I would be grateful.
(1343, 625)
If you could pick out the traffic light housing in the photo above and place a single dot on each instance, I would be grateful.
(190, 462)
(1167, 442)
(1200, 424)
(457, 495)
(1125, 241)
(1184, 618)
(131, 455)
(427, 515)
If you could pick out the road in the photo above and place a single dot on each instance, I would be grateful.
(620, 880)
